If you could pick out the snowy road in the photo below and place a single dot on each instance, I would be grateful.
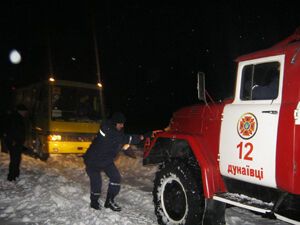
(56, 192)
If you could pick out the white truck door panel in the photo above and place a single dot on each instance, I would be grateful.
(250, 124)
(249, 154)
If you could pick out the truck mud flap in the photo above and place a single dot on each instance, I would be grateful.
(288, 209)
(214, 213)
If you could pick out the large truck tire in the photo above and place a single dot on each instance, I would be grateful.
(178, 195)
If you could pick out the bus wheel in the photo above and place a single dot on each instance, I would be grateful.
(39, 149)
(177, 195)
(43, 156)
(3, 146)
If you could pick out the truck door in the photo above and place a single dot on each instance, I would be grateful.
(249, 126)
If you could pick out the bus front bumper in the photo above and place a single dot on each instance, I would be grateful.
(67, 147)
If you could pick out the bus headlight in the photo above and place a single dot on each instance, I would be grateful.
(54, 137)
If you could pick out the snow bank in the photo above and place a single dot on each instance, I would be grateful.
(56, 192)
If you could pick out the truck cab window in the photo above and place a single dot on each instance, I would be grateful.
(260, 81)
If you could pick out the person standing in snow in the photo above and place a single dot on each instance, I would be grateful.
(14, 138)
(100, 157)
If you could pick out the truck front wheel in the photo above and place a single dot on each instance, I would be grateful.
(177, 195)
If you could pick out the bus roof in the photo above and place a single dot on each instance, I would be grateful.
(62, 83)
(73, 84)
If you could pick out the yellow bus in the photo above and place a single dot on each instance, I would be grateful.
(64, 116)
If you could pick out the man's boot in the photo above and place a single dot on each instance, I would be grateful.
(11, 178)
(95, 201)
(110, 203)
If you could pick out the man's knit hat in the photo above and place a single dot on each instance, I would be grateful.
(118, 117)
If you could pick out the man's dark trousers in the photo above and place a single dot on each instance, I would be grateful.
(15, 153)
(96, 180)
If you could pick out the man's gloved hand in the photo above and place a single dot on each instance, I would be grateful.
(125, 147)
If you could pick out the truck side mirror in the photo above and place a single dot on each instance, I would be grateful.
(201, 86)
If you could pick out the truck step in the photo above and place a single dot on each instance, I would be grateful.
(244, 201)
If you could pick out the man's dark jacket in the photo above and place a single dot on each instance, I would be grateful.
(106, 145)
(15, 128)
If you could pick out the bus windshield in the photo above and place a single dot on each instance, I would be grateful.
(75, 104)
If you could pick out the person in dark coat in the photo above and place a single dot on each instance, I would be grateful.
(14, 138)
(100, 157)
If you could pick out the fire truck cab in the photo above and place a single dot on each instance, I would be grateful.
(243, 152)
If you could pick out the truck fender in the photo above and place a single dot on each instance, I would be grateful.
(173, 145)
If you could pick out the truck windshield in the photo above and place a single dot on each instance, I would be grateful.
(75, 104)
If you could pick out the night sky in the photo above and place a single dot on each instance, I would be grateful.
(149, 52)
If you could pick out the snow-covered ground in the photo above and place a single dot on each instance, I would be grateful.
(57, 192)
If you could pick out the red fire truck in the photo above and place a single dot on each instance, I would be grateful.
(243, 151)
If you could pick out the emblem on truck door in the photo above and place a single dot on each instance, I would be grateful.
(247, 126)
